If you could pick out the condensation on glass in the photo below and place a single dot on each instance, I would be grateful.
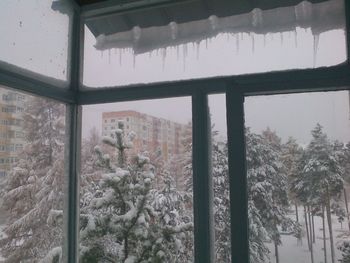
(136, 181)
(35, 39)
(298, 155)
(296, 37)
(220, 177)
(32, 178)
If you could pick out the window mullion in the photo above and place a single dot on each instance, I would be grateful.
(72, 171)
(74, 118)
(202, 183)
(237, 174)
(347, 29)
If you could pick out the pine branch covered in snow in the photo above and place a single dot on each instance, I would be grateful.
(119, 223)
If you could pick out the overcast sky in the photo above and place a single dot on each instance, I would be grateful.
(289, 115)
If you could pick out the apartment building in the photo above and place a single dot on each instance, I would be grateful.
(11, 128)
(160, 137)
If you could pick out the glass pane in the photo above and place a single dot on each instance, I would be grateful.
(32, 178)
(297, 37)
(221, 184)
(136, 182)
(297, 149)
(35, 38)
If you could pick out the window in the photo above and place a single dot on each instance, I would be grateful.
(21, 50)
(212, 46)
(185, 59)
(124, 163)
(292, 155)
(33, 181)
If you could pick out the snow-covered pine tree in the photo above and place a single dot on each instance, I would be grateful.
(221, 201)
(120, 223)
(344, 247)
(34, 188)
(267, 193)
(291, 153)
(322, 176)
(170, 205)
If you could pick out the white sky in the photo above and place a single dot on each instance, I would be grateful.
(290, 115)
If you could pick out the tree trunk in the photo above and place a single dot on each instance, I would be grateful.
(329, 219)
(276, 252)
(346, 206)
(296, 212)
(313, 228)
(308, 236)
(299, 239)
(307, 228)
(324, 236)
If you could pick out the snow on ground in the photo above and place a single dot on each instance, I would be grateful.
(291, 251)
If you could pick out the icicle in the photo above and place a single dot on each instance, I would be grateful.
(163, 58)
(109, 56)
(242, 36)
(237, 43)
(257, 18)
(316, 41)
(295, 37)
(136, 33)
(206, 43)
(173, 30)
(197, 49)
(281, 37)
(264, 40)
(120, 56)
(253, 42)
(177, 52)
(184, 53)
(101, 53)
(115, 51)
(133, 60)
(214, 22)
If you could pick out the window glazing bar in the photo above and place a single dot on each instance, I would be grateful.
(72, 159)
(347, 30)
(33, 86)
(202, 183)
(237, 174)
(73, 131)
(322, 79)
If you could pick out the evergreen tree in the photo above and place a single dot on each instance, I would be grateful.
(170, 204)
(34, 188)
(267, 193)
(221, 201)
(291, 154)
(321, 179)
(120, 224)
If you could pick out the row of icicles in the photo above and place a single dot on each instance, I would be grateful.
(196, 47)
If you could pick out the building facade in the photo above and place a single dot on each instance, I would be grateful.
(12, 140)
(158, 136)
